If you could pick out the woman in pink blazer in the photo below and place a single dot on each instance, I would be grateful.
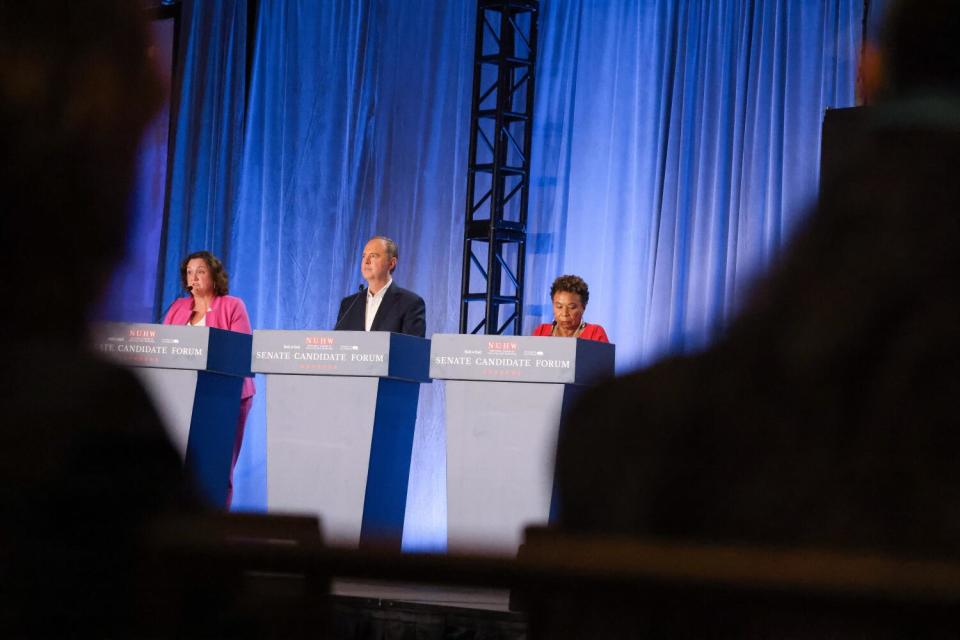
(208, 305)
(570, 295)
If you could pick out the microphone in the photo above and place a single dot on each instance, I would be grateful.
(356, 296)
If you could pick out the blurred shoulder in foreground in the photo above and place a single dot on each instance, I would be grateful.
(824, 417)
(85, 463)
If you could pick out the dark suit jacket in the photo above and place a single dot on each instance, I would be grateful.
(401, 311)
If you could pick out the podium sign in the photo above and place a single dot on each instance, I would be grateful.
(341, 353)
(505, 398)
(194, 376)
(341, 412)
(519, 359)
(164, 346)
(139, 345)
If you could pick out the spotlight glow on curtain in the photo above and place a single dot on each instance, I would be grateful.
(675, 147)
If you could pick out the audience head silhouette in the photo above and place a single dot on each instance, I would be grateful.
(76, 90)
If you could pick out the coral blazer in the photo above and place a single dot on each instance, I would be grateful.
(590, 332)
(225, 312)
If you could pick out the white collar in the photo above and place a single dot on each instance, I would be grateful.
(379, 294)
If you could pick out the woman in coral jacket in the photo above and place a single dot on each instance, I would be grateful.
(570, 295)
(208, 305)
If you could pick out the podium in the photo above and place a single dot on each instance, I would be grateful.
(194, 376)
(341, 412)
(505, 397)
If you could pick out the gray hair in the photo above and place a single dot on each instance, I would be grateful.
(391, 247)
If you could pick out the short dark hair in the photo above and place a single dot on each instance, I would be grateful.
(391, 247)
(571, 284)
(919, 44)
(217, 272)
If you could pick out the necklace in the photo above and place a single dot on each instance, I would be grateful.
(576, 334)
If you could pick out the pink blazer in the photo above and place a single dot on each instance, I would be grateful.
(225, 312)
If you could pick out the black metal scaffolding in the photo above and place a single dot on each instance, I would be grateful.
(498, 177)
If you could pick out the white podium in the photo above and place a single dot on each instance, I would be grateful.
(194, 376)
(341, 412)
(505, 396)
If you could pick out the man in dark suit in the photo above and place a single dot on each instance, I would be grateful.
(382, 305)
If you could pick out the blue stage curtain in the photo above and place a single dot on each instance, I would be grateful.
(131, 293)
(207, 134)
(676, 147)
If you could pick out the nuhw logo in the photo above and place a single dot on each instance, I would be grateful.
(319, 340)
(142, 333)
(499, 345)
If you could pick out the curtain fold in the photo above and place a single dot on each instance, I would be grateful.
(207, 134)
(688, 154)
(675, 148)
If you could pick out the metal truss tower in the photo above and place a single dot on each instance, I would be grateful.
(498, 178)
